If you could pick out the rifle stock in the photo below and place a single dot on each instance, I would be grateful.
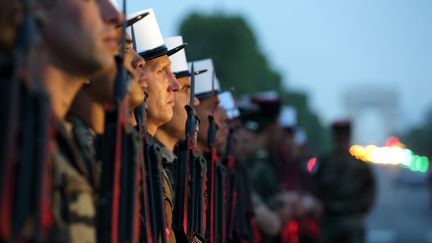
(146, 232)
(153, 165)
(211, 180)
(118, 191)
(26, 171)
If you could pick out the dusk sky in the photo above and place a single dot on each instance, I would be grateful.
(327, 47)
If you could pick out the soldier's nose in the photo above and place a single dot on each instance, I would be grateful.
(110, 13)
(138, 63)
(196, 101)
(174, 83)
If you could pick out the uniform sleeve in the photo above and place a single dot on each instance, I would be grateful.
(264, 181)
(74, 208)
(168, 195)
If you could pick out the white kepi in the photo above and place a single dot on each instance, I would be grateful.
(288, 117)
(115, 4)
(132, 19)
(227, 102)
(148, 37)
(207, 83)
(179, 65)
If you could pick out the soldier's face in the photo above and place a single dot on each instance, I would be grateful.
(221, 119)
(204, 110)
(101, 87)
(243, 147)
(342, 142)
(10, 18)
(79, 34)
(134, 64)
(176, 126)
(161, 87)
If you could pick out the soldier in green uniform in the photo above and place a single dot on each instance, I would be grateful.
(207, 88)
(211, 141)
(87, 113)
(174, 131)
(346, 187)
(268, 194)
(162, 86)
(64, 65)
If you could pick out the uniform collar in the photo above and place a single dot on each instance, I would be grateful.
(166, 154)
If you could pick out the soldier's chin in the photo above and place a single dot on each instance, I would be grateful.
(166, 117)
(134, 103)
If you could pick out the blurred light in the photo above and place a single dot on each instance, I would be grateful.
(394, 153)
(392, 141)
(311, 164)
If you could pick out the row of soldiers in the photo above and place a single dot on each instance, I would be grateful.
(109, 134)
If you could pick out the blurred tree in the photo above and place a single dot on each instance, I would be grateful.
(240, 63)
(234, 50)
(318, 135)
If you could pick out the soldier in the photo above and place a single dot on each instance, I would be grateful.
(162, 86)
(10, 21)
(211, 141)
(20, 126)
(293, 173)
(77, 42)
(268, 221)
(346, 186)
(207, 88)
(172, 132)
(87, 112)
(262, 165)
(240, 216)
(161, 82)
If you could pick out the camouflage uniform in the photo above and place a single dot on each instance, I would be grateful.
(74, 208)
(168, 163)
(86, 139)
(346, 187)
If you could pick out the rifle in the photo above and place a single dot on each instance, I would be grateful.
(189, 207)
(199, 184)
(219, 199)
(153, 223)
(246, 228)
(231, 193)
(8, 143)
(182, 213)
(153, 164)
(211, 226)
(147, 213)
(26, 183)
(117, 213)
(153, 226)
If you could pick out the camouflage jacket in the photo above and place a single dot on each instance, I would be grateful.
(345, 185)
(74, 208)
(85, 139)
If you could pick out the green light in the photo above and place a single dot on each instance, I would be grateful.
(412, 164)
(424, 164)
(408, 156)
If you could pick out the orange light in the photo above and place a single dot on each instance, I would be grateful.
(394, 153)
